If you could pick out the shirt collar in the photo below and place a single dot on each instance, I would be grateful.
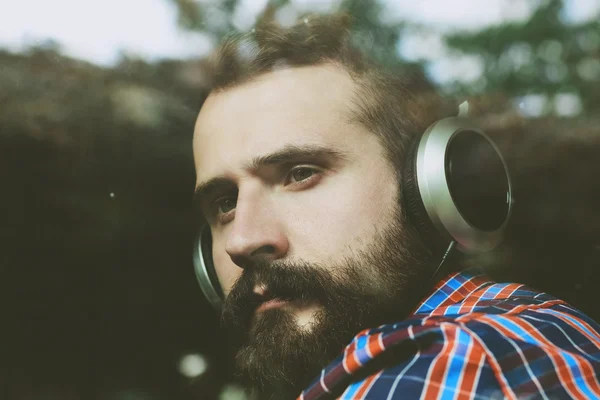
(453, 289)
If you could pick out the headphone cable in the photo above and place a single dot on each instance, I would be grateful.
(449, 250)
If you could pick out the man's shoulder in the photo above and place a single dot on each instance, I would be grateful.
(511, 323)
(490, 297)
(503, 340)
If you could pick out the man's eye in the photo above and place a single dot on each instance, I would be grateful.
(225, 204)
(301, 174)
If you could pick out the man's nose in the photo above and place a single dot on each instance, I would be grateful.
(256, 232)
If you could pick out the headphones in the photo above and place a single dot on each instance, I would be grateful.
(456, 190)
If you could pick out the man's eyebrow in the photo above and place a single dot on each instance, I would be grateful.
(288, 154)
(291, 153)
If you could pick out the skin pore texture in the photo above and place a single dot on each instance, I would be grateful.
(309, 242)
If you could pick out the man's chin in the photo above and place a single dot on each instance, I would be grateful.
(281, 356)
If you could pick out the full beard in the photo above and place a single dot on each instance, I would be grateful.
(276, 357)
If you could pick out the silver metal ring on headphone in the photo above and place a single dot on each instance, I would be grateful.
(435, 191)
(202, 274)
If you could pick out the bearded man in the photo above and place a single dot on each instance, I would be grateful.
(329, 290)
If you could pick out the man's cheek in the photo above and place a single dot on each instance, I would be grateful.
(228, 273)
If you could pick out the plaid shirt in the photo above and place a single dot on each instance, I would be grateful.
(471, 339)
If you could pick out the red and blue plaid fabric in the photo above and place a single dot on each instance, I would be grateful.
(472, 338)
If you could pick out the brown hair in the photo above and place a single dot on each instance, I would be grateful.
(396, 105)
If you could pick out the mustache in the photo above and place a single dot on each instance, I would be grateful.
(294, 281)
(300, 282)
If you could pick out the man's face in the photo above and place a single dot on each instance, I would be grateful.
(303, 215)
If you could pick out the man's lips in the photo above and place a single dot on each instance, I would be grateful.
(273, 303)
(267, 301)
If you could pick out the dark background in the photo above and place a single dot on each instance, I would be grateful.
(98, 299)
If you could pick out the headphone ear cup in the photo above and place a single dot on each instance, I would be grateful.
(205, 269)
(456, 187)
(413, 203)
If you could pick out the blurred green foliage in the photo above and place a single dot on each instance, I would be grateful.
(542, 55)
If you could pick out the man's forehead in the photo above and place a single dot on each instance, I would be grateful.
(280, 90)
(292, 107)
